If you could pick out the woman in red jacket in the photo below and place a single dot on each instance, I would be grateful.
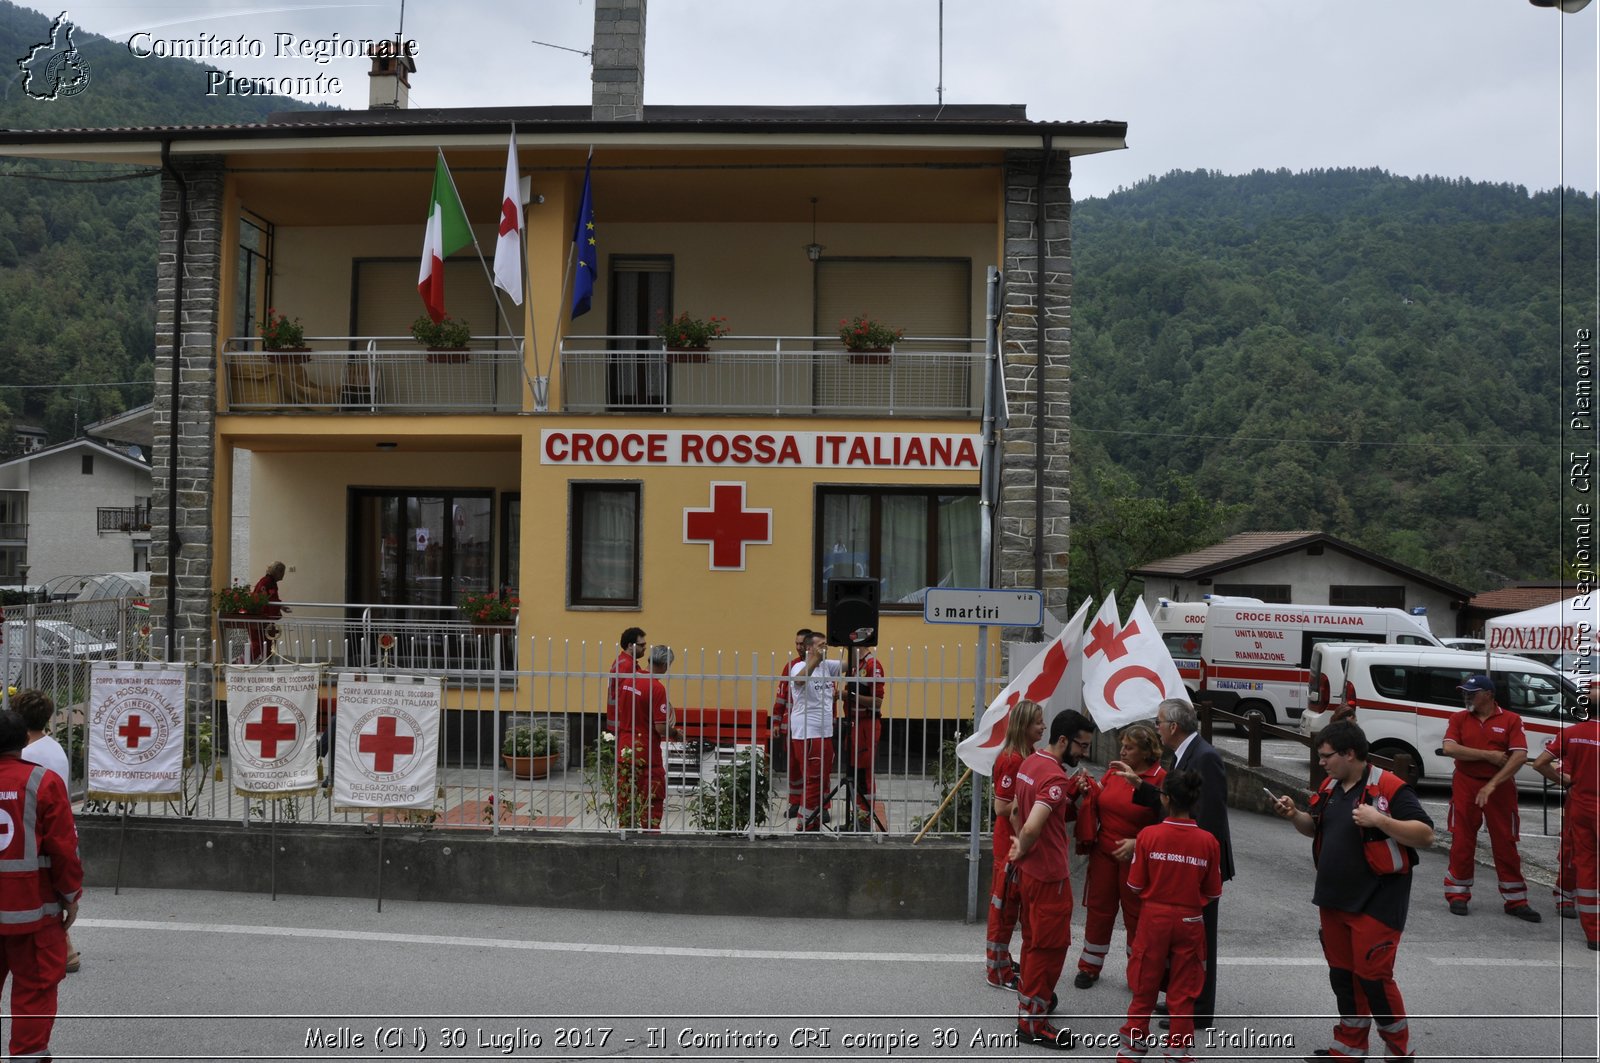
(1107, 836)
(1023, 733)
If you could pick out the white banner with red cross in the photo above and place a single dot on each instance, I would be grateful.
(272, 725)
(387, 742)
(1051, 679)
(136, 733)
(1127, 669)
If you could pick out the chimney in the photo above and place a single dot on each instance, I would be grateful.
(618, 60)
(389, 87)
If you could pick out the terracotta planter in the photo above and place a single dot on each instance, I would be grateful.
(449, 355)
(688, 355)
(492, 630)
(289, 356)
(875, 356)
(530, 767)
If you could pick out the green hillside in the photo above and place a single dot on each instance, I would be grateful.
(78, 243)
(1374, 356)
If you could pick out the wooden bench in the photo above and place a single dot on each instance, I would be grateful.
(725, 727)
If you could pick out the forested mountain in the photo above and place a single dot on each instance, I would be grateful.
(1373, 356)
(78, 243)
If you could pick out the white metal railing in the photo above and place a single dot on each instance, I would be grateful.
(373, 374)
(562, 686)
(773, 376)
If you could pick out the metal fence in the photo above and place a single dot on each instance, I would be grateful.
(730, 776)
(373, 374)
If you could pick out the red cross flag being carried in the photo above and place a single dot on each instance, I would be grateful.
(1127, 670)
(136, 732)
(1052, 679)
(388, 743)
(273, 731)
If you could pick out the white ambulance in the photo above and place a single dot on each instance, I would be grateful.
(1181, 625)
(1255, 658)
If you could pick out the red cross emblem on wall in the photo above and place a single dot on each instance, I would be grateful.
(728, 526)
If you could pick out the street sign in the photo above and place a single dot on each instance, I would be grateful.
(998, 608)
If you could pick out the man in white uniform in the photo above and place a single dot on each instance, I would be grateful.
(812, 691)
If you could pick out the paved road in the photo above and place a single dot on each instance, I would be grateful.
(212, 976)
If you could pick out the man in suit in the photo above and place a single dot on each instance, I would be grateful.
(1179, 727)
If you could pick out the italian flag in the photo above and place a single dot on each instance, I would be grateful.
(447, 233)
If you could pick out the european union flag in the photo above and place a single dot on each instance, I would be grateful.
(588, 253)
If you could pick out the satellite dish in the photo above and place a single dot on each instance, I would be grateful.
(135, 452)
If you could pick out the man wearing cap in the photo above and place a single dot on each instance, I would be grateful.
(1488, 747)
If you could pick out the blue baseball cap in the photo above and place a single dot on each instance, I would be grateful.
(1474, 683)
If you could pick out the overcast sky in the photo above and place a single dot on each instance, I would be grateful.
(1471, 88)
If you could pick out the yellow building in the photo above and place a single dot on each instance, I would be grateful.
(704, 496)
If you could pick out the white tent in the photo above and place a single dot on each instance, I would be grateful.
(1560, 627)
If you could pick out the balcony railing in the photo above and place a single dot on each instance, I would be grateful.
(373, 374)
(772, 376)
(121, 519)
(408, 637)
(14, 532)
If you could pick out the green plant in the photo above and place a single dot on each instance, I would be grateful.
(279, 333)
(530, 740)
(724, 803)
(617, 783)
(957, 814)
(238, 599)
(490, 608)
(691, 332)
(861, 333)
(448, 333)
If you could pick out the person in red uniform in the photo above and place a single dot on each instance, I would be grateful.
(780, 723)
(644, 721)
(1488, 746)
(623, 669)
(263, 631)
(1176, 870)
(1024, 729)
(1365, 825)
(863, 704)
(1046, 803)
(1578, 750)
(1120, 811)
(41, 880)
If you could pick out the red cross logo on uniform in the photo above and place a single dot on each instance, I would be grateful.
(134, 731)
(269, 731)
(728, 526)
(384, 744)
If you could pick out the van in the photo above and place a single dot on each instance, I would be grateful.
(1404, 698)
(1325, 689)
(1180, 625)
(1256, 658)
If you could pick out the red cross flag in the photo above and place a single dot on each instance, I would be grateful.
(1051, 679)
(136, 732)
(273, 730)
(1127, 670)
(387, 742)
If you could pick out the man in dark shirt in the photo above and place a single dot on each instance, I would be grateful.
(1364, 824)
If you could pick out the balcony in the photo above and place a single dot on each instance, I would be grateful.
(373, 374)
(130, 519)
(774, 376)
(14, 532)
(762, 376)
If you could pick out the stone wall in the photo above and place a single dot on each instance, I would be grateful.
(183, 553)
(617, 92)
(1021, 455)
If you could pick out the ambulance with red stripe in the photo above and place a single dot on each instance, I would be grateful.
(1181, 625)
(1255, 659)
(1404, 699)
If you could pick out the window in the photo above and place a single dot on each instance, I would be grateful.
(419, 547)
(88, 464)
(1392, 681)
(641, 297)
(907, 538)
(253, 276)
(603, 545)
(1437, 686)
(1267, 592)
(1377, 595)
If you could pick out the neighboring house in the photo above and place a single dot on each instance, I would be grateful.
(73, 509)
(1305, 567)
(705, 496)
(1515, 598)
